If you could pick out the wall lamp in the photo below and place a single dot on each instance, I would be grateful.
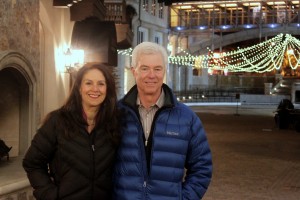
(74, 59)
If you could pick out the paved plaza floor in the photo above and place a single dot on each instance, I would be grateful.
(253, 160)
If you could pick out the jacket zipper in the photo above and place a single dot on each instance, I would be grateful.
(92, 142)
(148, 151)
(145, 169)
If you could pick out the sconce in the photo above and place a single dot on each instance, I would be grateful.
(73, 60)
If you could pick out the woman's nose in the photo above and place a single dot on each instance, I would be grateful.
(95, 87)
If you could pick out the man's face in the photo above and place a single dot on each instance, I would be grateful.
(149, 74)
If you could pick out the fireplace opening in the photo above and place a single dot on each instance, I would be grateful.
(14, 106)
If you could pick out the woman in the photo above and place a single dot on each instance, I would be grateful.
(72, 154)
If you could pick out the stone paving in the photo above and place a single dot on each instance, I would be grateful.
(252, 158)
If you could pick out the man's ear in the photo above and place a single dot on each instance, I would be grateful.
(132, 69)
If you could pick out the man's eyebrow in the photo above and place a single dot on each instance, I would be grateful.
(153, 67)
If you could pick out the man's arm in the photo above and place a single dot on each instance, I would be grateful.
(198, 163)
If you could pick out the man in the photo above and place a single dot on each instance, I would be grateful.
(160, 138)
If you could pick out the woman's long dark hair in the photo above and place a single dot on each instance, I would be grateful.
(107, 115)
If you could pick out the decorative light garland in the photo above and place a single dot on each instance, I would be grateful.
(263, 57)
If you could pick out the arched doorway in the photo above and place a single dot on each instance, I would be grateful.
(17, 102)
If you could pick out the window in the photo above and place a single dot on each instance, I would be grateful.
(158, 38)
(161, 10)
(145, 5)
(153, 7)
(142, 35)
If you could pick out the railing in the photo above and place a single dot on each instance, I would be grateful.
(215, 95)
(115, 11)
(233, 18)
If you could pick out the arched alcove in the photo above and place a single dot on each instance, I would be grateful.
(18, 101)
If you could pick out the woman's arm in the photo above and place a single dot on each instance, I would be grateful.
(36, 161)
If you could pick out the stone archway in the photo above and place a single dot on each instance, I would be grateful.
(18, 101)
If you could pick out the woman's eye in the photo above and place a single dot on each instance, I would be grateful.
(102, 82)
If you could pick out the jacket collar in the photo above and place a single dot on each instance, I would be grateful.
(131, 96)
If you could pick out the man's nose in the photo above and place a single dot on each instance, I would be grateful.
(151, 72)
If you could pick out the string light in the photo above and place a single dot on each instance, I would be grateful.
(263, 57)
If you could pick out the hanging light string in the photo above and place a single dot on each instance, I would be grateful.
(263, 57)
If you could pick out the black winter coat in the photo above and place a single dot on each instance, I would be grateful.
(78, 167)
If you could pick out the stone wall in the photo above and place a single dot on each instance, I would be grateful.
(19, 33)
(19, 29)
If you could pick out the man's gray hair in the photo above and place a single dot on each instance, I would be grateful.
(148, 48)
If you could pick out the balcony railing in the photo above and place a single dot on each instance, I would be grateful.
(215, 94)
(116, 12)
(233, 19)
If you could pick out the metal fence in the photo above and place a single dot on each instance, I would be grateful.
(216, 94)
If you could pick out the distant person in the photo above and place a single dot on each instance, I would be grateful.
(160, 138)
(4, 150)
(72, 155)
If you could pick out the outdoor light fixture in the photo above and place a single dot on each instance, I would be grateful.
(73, 60)
(201, 27)
(68, 58)
(273, 25)
(248, 26)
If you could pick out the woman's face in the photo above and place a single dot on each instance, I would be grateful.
(93, 89)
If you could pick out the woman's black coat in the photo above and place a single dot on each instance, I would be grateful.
(74, 167)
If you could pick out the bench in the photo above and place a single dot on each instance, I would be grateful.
(4, 150)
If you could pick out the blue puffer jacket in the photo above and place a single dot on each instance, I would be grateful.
(156, 172)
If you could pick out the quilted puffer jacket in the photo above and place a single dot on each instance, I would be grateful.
(78, 167)
(157, 171)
